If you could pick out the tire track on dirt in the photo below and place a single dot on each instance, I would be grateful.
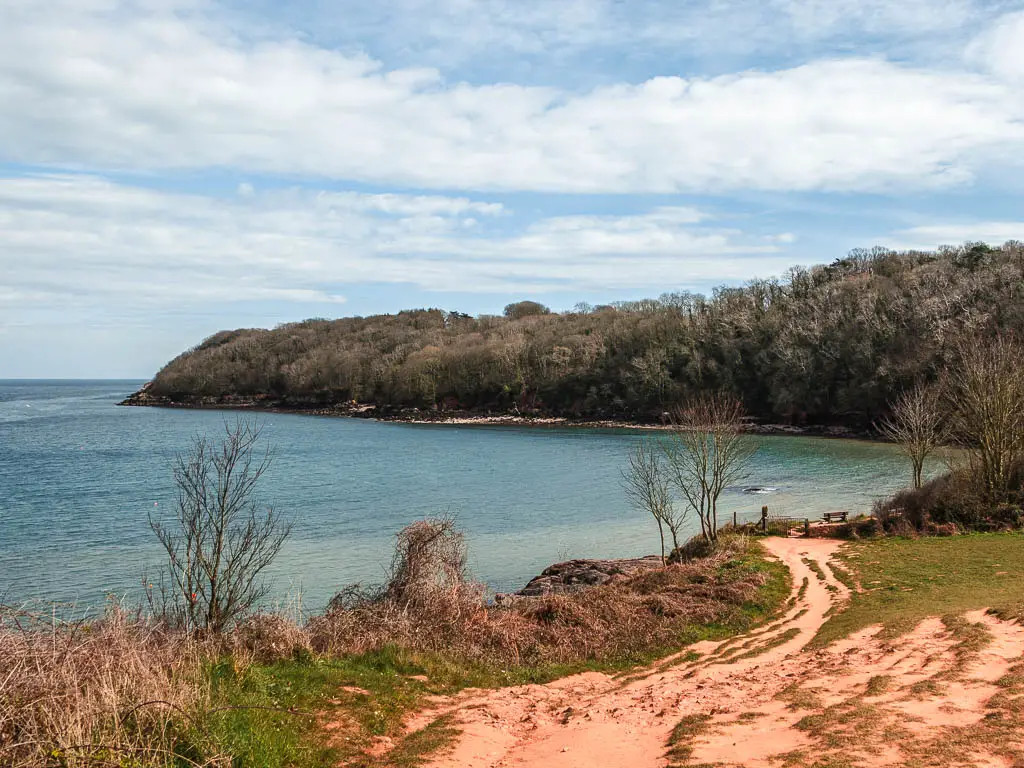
(949, 693)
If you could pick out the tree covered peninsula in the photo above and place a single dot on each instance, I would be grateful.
(829, 345)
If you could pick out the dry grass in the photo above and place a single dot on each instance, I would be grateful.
(113, 691)
(438, 611)
(124, 690)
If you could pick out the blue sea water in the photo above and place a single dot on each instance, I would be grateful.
(79, 477)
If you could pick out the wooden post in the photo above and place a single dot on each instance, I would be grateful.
(764, 518)
(807, 527)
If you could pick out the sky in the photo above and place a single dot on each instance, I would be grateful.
(171, 168)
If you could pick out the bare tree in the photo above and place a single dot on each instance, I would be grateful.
(222, 538)
(917, 423)
(647, 486)
(986, 391)
(707, 453)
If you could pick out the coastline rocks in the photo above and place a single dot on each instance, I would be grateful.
(575, 575)
(144, 397)
(324, 406)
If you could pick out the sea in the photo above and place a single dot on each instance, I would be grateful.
(81, 478)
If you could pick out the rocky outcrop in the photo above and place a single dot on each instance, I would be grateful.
(319, 406)
(574, 575)
(145, 397)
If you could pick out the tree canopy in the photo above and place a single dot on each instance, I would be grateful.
(828, 344)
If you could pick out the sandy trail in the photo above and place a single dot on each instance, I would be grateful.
(944, 695)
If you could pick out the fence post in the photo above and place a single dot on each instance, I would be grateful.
(764, 518)
(807, 527)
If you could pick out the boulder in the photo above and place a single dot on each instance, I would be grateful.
(574, 575)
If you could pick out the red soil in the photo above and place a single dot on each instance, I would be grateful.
(871, 702)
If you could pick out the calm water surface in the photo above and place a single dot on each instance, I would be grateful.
(79, 475)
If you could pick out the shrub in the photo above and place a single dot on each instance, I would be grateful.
(426, 598)
(865, 528)
(954, 501)
(112, 691)
(267, 637)
(627, 617)
(696, 548)
(221, 539)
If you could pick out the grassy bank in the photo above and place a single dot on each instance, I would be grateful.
(127, 692)
(907, 580)
(357, 700)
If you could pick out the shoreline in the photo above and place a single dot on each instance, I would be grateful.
(419, 417)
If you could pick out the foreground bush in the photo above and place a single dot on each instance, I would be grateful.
(118, 691)
(956, 501)
(635, 617)
(125, 690)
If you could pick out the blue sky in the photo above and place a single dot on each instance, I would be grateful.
(169, 168)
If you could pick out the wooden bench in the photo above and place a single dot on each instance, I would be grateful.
(835, 517)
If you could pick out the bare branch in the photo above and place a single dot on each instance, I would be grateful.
(917, 424)
(223, 539)
(708, 452)
(646, 484)
(986, 394)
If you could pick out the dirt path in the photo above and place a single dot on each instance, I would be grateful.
(948, 694)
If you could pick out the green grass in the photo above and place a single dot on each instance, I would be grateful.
(680, 743)
(271, 715)
(907, 580)
(774, 642)
(815, 568)
(842, 576)
(799, 698)
(274, 715)
(410, 751)
(878, 685)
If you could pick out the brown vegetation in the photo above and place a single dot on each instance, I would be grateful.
(115, 691)
(428, 607)
(125, 689)
(951, 503)
(984, 404)
(918, 424)
(824, 345)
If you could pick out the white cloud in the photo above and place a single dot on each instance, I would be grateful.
(154, 91)
(83, 246)
(931, 236)
(1000, 49)
(407, 205)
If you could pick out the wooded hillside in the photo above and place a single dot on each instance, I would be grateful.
(826, 345)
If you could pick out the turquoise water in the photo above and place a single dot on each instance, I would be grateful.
(79, 475)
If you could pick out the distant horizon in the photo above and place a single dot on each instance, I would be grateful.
(33, 380)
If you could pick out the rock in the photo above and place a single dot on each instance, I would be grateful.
(574, 575)
(144, 397)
